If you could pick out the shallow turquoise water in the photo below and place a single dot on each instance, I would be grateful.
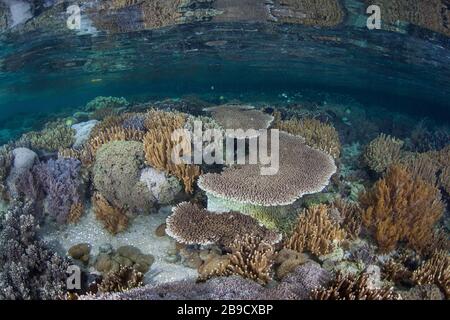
(44, 75)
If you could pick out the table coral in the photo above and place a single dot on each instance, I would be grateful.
(401, 207)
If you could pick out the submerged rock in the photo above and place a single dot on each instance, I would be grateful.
(83, 130)
(163, 188)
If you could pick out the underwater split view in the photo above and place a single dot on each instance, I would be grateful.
(230, 150)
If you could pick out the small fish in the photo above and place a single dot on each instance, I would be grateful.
(96, 80)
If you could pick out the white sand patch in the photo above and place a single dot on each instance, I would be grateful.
(140, 233)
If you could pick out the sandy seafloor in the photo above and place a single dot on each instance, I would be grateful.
(140, 234)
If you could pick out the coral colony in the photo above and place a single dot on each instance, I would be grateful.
(263, 194)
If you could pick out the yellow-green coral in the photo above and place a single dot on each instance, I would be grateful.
(56, 135)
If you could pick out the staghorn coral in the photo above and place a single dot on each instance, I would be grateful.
(241, 117)
(350, 287)
(315, 232)
(114, 219)
(126, 278)
(303, 170)
(62, 184)
(401, 208)
(116, 175)
(56, 135)
(159, 146)
(383, 152)
(317, 134)
(250, 257)
(28, 270)
(435, 270)
(191, 224)
(106, 103)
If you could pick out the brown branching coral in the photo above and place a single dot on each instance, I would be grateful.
(190, 224)
(317, 134)
(124, 279)
(159, 146)
(114, 219)
(383, 152)
(349, 287)
(401, 207)
(250, 257)
(315, 232)
(350, 213)
(436, 270)
(75, 213)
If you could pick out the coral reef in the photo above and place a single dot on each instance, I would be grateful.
(250, 257)
(349, 287)
(114, 219)
(6, 161)
(162, 187)
(315, 232)
(62, 184)
(126, 278)
(435, 270)
(106, 103)
(28, 270)
(401, 208)
(317, 134)
(116, 175)
(383, 152)
(56, 135)
(303, 170)
(20, 180)
(242, 118)
(191, 224)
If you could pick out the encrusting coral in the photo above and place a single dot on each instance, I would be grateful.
(113, 219)
(435, 270)
(315, 232)
(317, 134)
(383, 152)
(350, 287)
(250, 257)
(191, 224)
(126, 278)
(401, 208)
(159, 146)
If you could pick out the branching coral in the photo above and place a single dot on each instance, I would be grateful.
(350, 213)
(116, 175)
(349, 287)
(126, 278)
(401, 207)
(159, 146)
(250, 257)
(190, 224)
(315, 232)
(436, 270)
(62, 183)
(317, 134)
(114, 219)
(6, 161)
(28, 270)
(106, 102)
(383, 152)
(56, 135)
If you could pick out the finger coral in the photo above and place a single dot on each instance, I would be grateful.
(116, 175)
(315, 232)
(114, 219)
(349, 287)
(191, 224)
(62, 184)
(436, 271)
(383, 152)
(250, 257)
(120, 281)
(401, 208)
(317, 134)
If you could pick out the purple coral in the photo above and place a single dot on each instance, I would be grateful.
(61, 182)
(28, 270)
(135, 121)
